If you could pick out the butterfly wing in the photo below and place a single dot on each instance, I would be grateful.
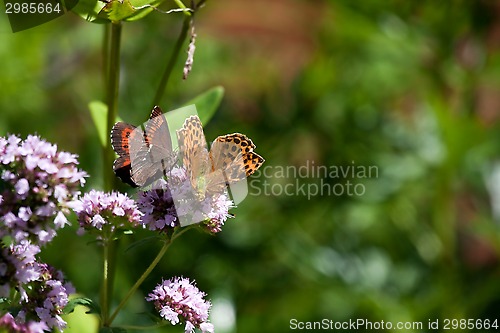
(193, 149)
(155, 157)
(122, 134)
(143, 152)
(158, 134)
(231, 158)
(234, 155)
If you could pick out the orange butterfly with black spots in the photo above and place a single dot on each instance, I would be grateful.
(231, 158)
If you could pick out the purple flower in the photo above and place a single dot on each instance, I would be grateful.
(38, 185)
(158, 207)
(105, 213)
(43, 293)
(180, 297)
(18, 266)
(45, 301)
(8, 322)
(174, 203)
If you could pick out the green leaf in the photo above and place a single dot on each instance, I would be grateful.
(89, 10)
(116, 10)
(129, 10)
(207, 103)
(143, 8)
(93, 307)
(99, 113)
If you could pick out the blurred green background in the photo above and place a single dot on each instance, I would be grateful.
(412, 88)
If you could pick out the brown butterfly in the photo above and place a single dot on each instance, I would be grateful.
(231, 158)
(145, 152)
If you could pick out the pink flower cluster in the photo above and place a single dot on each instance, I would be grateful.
(105, 213)
(171, 203)
(179, 297)
(43, 291)
(37, 186)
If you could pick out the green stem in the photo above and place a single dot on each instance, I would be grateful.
(146, 273)
(105, 285)
(181, 5)
(173, 58)
(113, 78)
(109, 264)
(105, 53)
(141, 279)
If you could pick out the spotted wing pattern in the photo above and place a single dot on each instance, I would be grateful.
(233, 153)
(231, 158)
(193, 149)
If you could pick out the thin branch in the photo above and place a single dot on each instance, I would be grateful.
(140, 280)
(172, 61)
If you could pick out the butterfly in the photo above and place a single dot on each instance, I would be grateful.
(231, 158)
(145, 152)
